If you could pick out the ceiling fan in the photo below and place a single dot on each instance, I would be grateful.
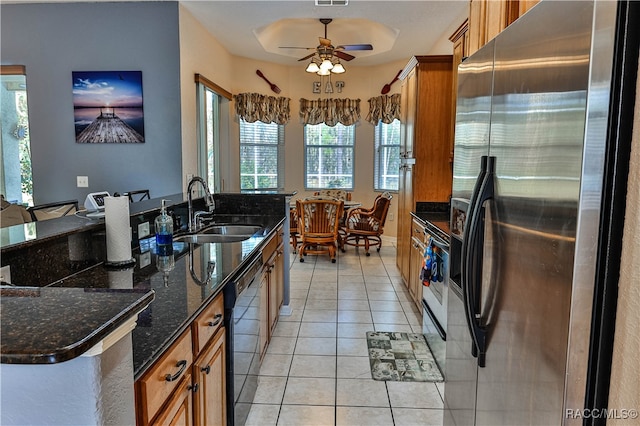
(325, 52)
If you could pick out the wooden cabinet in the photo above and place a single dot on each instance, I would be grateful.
(416, 259)
(460, 40)
(426, 141)
(487, 18)
(179, 408)
(187, 384)
(271, 287)
(209, 375)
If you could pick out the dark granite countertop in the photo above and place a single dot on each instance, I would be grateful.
(179, 297)
(51, 325)
(180, 292)
(436, 215)
(21, 236)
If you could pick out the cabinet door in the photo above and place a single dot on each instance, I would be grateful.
(264, 312)
(209, 372)
(276, 280)
(179, 409)
(405, 210)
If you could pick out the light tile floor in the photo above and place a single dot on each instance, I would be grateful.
(316, 370)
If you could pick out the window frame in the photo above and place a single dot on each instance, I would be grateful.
(377, 157)
(280, 166)
(351, 147)
(203, 87)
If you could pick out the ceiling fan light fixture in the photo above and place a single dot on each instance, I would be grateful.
(313, 67)
(323, 71)
(338, 68)
(326, 65)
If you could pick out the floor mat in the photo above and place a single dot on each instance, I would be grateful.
(402, 357)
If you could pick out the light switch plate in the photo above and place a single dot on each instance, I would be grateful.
(5, 274)
(82, 181)
(143, 230)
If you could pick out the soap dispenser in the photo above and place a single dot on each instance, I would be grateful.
(164, 232)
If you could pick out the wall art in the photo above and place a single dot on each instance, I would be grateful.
(107, 106)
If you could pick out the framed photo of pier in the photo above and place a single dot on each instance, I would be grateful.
(107, 106)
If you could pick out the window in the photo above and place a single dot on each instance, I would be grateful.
(387, 156)
(329, 153)
(16, 182)
(261, 155)
(209, 98)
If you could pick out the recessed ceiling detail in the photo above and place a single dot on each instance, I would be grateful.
(295, 33)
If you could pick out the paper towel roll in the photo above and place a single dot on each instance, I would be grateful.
(118, 230)
(122, 278)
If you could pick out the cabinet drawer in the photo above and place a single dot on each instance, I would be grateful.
(157, 385)
(207, 323)
(417, 230)
(269, 249)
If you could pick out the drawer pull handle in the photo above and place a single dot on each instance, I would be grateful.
(217, 318)
(183, 365)
(206, 369)
(193, 388)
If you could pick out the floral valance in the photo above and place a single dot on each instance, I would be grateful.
(384, 108)
(330, 111)
(254, 107)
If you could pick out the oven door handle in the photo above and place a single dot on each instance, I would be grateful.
(441, 246)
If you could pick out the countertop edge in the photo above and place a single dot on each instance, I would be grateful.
(77, 349)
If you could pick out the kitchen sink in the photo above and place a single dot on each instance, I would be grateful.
(220, 234)
(235, 229)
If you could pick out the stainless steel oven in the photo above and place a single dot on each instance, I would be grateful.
(436, 278)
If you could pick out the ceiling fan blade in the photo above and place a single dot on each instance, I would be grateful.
(324, 41)
(355, 47)
(343, 55)
(296, 47)
(306, 57)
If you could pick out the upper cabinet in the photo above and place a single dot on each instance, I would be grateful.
(487, 18)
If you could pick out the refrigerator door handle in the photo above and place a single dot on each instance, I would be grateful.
(465, 267)
(474, 262)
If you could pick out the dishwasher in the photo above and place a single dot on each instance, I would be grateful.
(242, 304)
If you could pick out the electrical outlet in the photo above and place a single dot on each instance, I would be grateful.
(5, 274)
(143, 230)
(83, 181)
(390, 216)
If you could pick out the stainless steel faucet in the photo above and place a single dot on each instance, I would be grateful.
(208, 197)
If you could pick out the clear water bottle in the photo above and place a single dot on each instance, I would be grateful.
(164, 232)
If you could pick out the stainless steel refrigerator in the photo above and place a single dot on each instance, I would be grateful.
(542, 140)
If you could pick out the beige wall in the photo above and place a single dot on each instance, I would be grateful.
(201, 53)
(625, 374)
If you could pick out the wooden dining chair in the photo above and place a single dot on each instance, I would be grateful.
(364, 226)
(318, 222)
(293, 228)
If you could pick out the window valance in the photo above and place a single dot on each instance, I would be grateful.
(330, 111)
(254, 107)
(385, 108)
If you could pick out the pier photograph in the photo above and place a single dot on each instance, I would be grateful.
(107, 106)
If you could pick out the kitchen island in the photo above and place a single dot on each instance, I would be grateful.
(183, 289)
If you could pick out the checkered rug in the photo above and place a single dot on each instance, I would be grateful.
(402, 357)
